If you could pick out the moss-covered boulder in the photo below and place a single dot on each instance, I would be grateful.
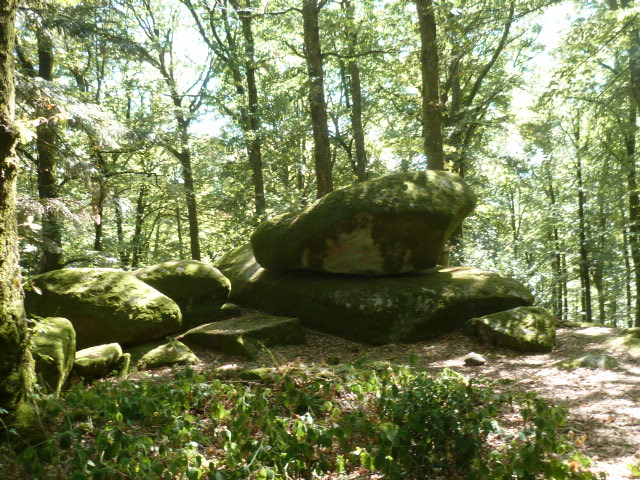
(629, 344)
(98, 361)
(104, 305)
(53, 348)
(593, 360)
(162, 353)
(375, 310)
(198, 288)
(525, 329)
(244, 335)
(388, 225)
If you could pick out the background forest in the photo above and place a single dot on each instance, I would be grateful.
(155, 130)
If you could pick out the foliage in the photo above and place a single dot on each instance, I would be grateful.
(295, 422)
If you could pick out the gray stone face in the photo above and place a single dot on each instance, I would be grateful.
(525, 329)
(53, 347)
(104, 305)
(198, 288)
(243, 335)
(474, 359)
(375, 310)
(388, 225)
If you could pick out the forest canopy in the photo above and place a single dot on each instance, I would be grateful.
(153, 130)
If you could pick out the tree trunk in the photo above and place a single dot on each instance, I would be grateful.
(634, 206)
(627, 277)
(431, 108)
(355, 91)
(184, 157)
(46, 165)
(122, 250)
(136, 244)
(585, 279)
(16, 364)
(317, 102)
(557, 262)
(253, 124)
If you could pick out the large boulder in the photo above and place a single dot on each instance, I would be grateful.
(53, 347)
(104, 305)
(198, 289)
(525, 329)
(389, 225)
(373, 310)
(244, 335)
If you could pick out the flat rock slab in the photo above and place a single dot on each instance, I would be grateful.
(243, 335)
(392, 224)
(374, 310)
(525, 329)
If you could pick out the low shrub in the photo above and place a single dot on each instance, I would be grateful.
(301, 422)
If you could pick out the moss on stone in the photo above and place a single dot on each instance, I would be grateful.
(392, 224)
(625, 343)
(244, 335)
(161, 354)
(374, 310)
(53, 347)
(104, 305)
(98, 361)
(592, 360)
(525, 329)
(198, 288)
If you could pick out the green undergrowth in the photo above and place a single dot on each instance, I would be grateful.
(296, 422)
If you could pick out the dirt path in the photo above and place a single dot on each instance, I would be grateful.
(604, 405)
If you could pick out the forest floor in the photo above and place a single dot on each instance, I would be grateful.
(603, 405)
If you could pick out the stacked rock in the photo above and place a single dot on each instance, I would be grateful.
(361, 262)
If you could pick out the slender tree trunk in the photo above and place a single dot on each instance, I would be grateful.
(558, 273)
(184, 156)
(16, 364)
(431, 108)
(317, 102)
(46, 165)
(355, 91)
(136, 244)
(179, 225)
(627, 277)
(253, 123)
(634, 206)
(122, 250)
(585, 279)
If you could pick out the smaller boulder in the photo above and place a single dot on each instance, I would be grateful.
(473, 359)
(525, 329)
(590, 360)
(53, 348)
(198, 288)
(98, 361)
(244, 335)
(162, 353)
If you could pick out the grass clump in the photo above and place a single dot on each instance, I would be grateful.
(300, 422)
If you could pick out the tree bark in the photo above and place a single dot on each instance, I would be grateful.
(431, 107)
(189, 188)
(317, 102)
(46, 166)
(253, 124)
(16, 364)
(136, 244)
(584, 266)
(633, 200)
